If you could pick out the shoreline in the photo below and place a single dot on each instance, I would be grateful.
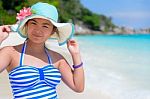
(109, 33)
(63, 91)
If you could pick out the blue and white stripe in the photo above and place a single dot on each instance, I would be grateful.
(29, 82)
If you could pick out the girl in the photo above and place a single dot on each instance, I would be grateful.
(35, 71)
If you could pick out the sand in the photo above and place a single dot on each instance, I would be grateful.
(63, 91)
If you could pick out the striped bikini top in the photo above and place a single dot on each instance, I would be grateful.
(29, 82)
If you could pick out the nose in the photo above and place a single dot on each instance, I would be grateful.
(38, 29)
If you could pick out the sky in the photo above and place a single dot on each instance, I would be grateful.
(128, 13)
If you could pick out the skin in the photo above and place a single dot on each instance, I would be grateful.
(38, 31)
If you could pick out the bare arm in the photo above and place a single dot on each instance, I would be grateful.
(73, 78)
(5, 57)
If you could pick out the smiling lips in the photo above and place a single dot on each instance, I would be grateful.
(36, 35)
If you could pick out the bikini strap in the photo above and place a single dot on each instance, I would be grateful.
(22, 53)
(48, 56)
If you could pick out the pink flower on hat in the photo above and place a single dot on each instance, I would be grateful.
(24, 13)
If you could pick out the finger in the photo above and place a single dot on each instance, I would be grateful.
(7, 28)
(72, 41)
(68, 43)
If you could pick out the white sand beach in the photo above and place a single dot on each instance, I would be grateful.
(114, 68)
(63, 91)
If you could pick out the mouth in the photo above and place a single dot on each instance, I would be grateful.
(35, 35)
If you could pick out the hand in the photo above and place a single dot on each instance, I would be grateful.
(73, 47)
(4, 32)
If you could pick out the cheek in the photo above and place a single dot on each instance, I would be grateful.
(29, 28)
(28, 31)
(48, 31)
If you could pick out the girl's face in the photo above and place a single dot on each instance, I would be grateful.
(39, 30)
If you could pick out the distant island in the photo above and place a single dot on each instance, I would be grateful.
(83, 30)
(86, 22)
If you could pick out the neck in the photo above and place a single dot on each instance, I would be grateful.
(35, 47)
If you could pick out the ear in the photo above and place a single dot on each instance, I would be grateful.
(55, 30)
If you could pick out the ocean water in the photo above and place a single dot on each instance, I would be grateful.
(117, 65)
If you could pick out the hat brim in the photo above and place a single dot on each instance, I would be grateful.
(65, 31)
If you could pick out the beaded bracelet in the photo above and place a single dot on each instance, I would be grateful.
(77, 66)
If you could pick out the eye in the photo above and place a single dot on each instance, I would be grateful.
(45, 26)
(33, 23)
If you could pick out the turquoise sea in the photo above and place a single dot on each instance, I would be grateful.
(117, 65)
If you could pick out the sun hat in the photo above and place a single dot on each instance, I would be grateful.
(49, 12)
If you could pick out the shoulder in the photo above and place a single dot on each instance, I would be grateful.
(55, 55)
(57, 58)
(9, 49)
(6, 55)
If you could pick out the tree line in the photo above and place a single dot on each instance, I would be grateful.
(69, 11)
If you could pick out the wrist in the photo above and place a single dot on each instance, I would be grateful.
(75, 54)
(78, 66)
(76, 60)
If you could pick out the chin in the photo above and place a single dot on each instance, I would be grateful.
(37, 40)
